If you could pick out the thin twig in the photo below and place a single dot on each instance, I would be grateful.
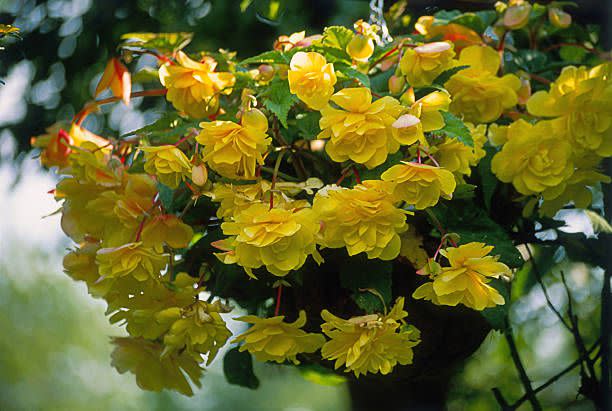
(544, 290)
(529, 392)
(555, 378)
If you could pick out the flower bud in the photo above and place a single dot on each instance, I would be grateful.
(266, 72)
(517, 16)
(199, 174)
(396, 84)
(559, 18)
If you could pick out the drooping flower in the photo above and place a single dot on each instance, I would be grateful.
(362, 219)
(454, 156)
(168, 163)
(581, 101)
(311, 78)
(198, 329)
(279, 238)
(516, 16)
(234, 150)
(479, 137)
(421, 65)
(194, 87)
(166, 229)
(477, 93)
(55, 145)
(154, 372)
(534, 160)
(576, 191)
(116, 77)
(361, 130)
(371, 343)
(420, 184)
(132, 259)
(151, 312)
(466, 280)
(273, 339)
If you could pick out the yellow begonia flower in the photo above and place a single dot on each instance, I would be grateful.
(56, 143)
(145, 314)
(477, 93)
(362, 219)
(407, 130)
(421, 65)
(465, 281)
(280, 238)
(168, 163)
(361, 130)
(91, 164)
(576, 191)
(454, 156)
(534, 160)
(459, 35)
(581, 98)
(153, 372)
(371, 343)
(166, 229)
(311, 78)
(235, 150)
(420, 184)
(132, 259)
(135, 201)
(361, 46)
(198, 329)
(194, 87)
(272, 339)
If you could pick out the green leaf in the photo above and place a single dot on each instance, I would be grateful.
(146, 75)
(267, 57)
(279, 100)
(464, 191)
(488, 181)
(473, 21)
(379, 83)
(166, 195)
(447, 74)
(496, 316)
(318, 374)
(532, 61)
(238, 369)
(367, 278)
(572, 53)
(455, 128)
(308, 124)
(350, 72)
(337, 37)
(474, 225)
(168, 129)
(170, 42)
(444, 17)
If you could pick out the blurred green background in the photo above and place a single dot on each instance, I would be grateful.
(54, 339)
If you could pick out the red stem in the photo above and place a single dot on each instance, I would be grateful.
(279, 294)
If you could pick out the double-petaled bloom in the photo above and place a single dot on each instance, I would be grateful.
(420, 185)
(194, 87)
(235, 150)
(273, 339)
(369, 344)
(311, 78)
(360, 129)
(362, 219)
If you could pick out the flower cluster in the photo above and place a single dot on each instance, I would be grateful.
(253, 185)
